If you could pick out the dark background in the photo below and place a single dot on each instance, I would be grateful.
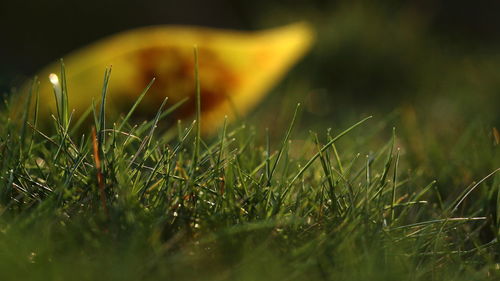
(34, 32)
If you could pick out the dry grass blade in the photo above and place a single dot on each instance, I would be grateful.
(100, 177)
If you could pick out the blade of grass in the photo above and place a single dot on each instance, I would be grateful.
(136, 103)
(198, 110)
(283, 145)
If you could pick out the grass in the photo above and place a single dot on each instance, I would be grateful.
(127, 202)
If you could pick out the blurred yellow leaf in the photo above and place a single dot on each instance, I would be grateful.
(236, 69)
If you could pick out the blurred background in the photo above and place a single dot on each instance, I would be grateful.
(431, 68)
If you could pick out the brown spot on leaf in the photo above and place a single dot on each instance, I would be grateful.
(173, 68)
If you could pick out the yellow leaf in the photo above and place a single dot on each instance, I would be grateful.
(236, 69)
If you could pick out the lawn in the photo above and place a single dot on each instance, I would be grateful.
(382, 163)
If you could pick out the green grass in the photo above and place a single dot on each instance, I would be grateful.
(131, 202)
